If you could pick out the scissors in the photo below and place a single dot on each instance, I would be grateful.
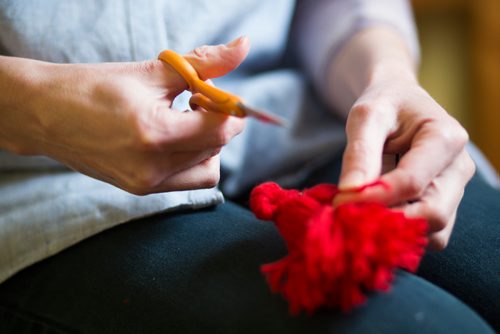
(212, 98)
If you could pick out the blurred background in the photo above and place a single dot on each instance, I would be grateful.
(460, 64)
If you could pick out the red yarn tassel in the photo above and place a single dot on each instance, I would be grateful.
(336, 255)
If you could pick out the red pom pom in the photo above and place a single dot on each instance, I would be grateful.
(266, 199)
(336, 255)
(324, 193)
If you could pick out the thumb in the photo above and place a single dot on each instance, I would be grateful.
(209, 61)
(212, 61)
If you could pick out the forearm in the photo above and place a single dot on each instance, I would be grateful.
(40, 101)
(375, 55)
(325, 29)
(19, 87)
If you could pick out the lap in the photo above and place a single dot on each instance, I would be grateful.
(199, 271)
(469, 267)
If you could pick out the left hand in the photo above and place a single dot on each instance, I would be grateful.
(399, 117)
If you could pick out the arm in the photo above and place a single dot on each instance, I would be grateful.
(113, 121)
(392, 114)
(374, 55)
(371, 80)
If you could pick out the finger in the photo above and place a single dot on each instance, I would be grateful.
(166, 175)
(185, 160)
(435, 146)
(442, 197)
(439, 240)
(206, 174)
(199, 130)
(150, 176)
(210, 61)
(440, 202)
(366, 133)
(175, 131)
(215, 61)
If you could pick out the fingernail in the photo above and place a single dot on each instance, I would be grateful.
(236, 42)
(352, 180)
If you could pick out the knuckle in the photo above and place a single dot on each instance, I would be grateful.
(361, 110)
(135, 191)
(359, 114)
(370, 111)
(142, 183)
(145, 140)
(471, 169)
(215, 152)
(414, 186)
(237, 125)
(437, 219)
(453, 135)
(223, 137)
(113, 93)
(438, 241)
(201, 51)
(211, 179)
(231, 127)
(147, 67)
(461, 136)
(131, 187)
(469, 166)
(445, 135)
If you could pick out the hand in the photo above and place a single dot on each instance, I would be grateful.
(114, 121)
(399, 117)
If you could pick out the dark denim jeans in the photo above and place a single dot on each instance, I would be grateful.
(198, 272)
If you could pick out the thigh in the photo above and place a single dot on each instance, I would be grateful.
(469, 267)
(198, 271)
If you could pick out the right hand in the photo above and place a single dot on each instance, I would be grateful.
(114, 122)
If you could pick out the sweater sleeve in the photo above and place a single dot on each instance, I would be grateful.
(322, 26)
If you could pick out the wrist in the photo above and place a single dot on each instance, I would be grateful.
(390, 71)
(371, 57)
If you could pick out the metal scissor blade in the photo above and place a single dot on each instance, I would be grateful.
(263, 116)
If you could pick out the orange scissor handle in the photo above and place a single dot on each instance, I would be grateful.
(204, 95)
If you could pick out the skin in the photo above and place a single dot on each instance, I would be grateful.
(389, 113)
(114, 122)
